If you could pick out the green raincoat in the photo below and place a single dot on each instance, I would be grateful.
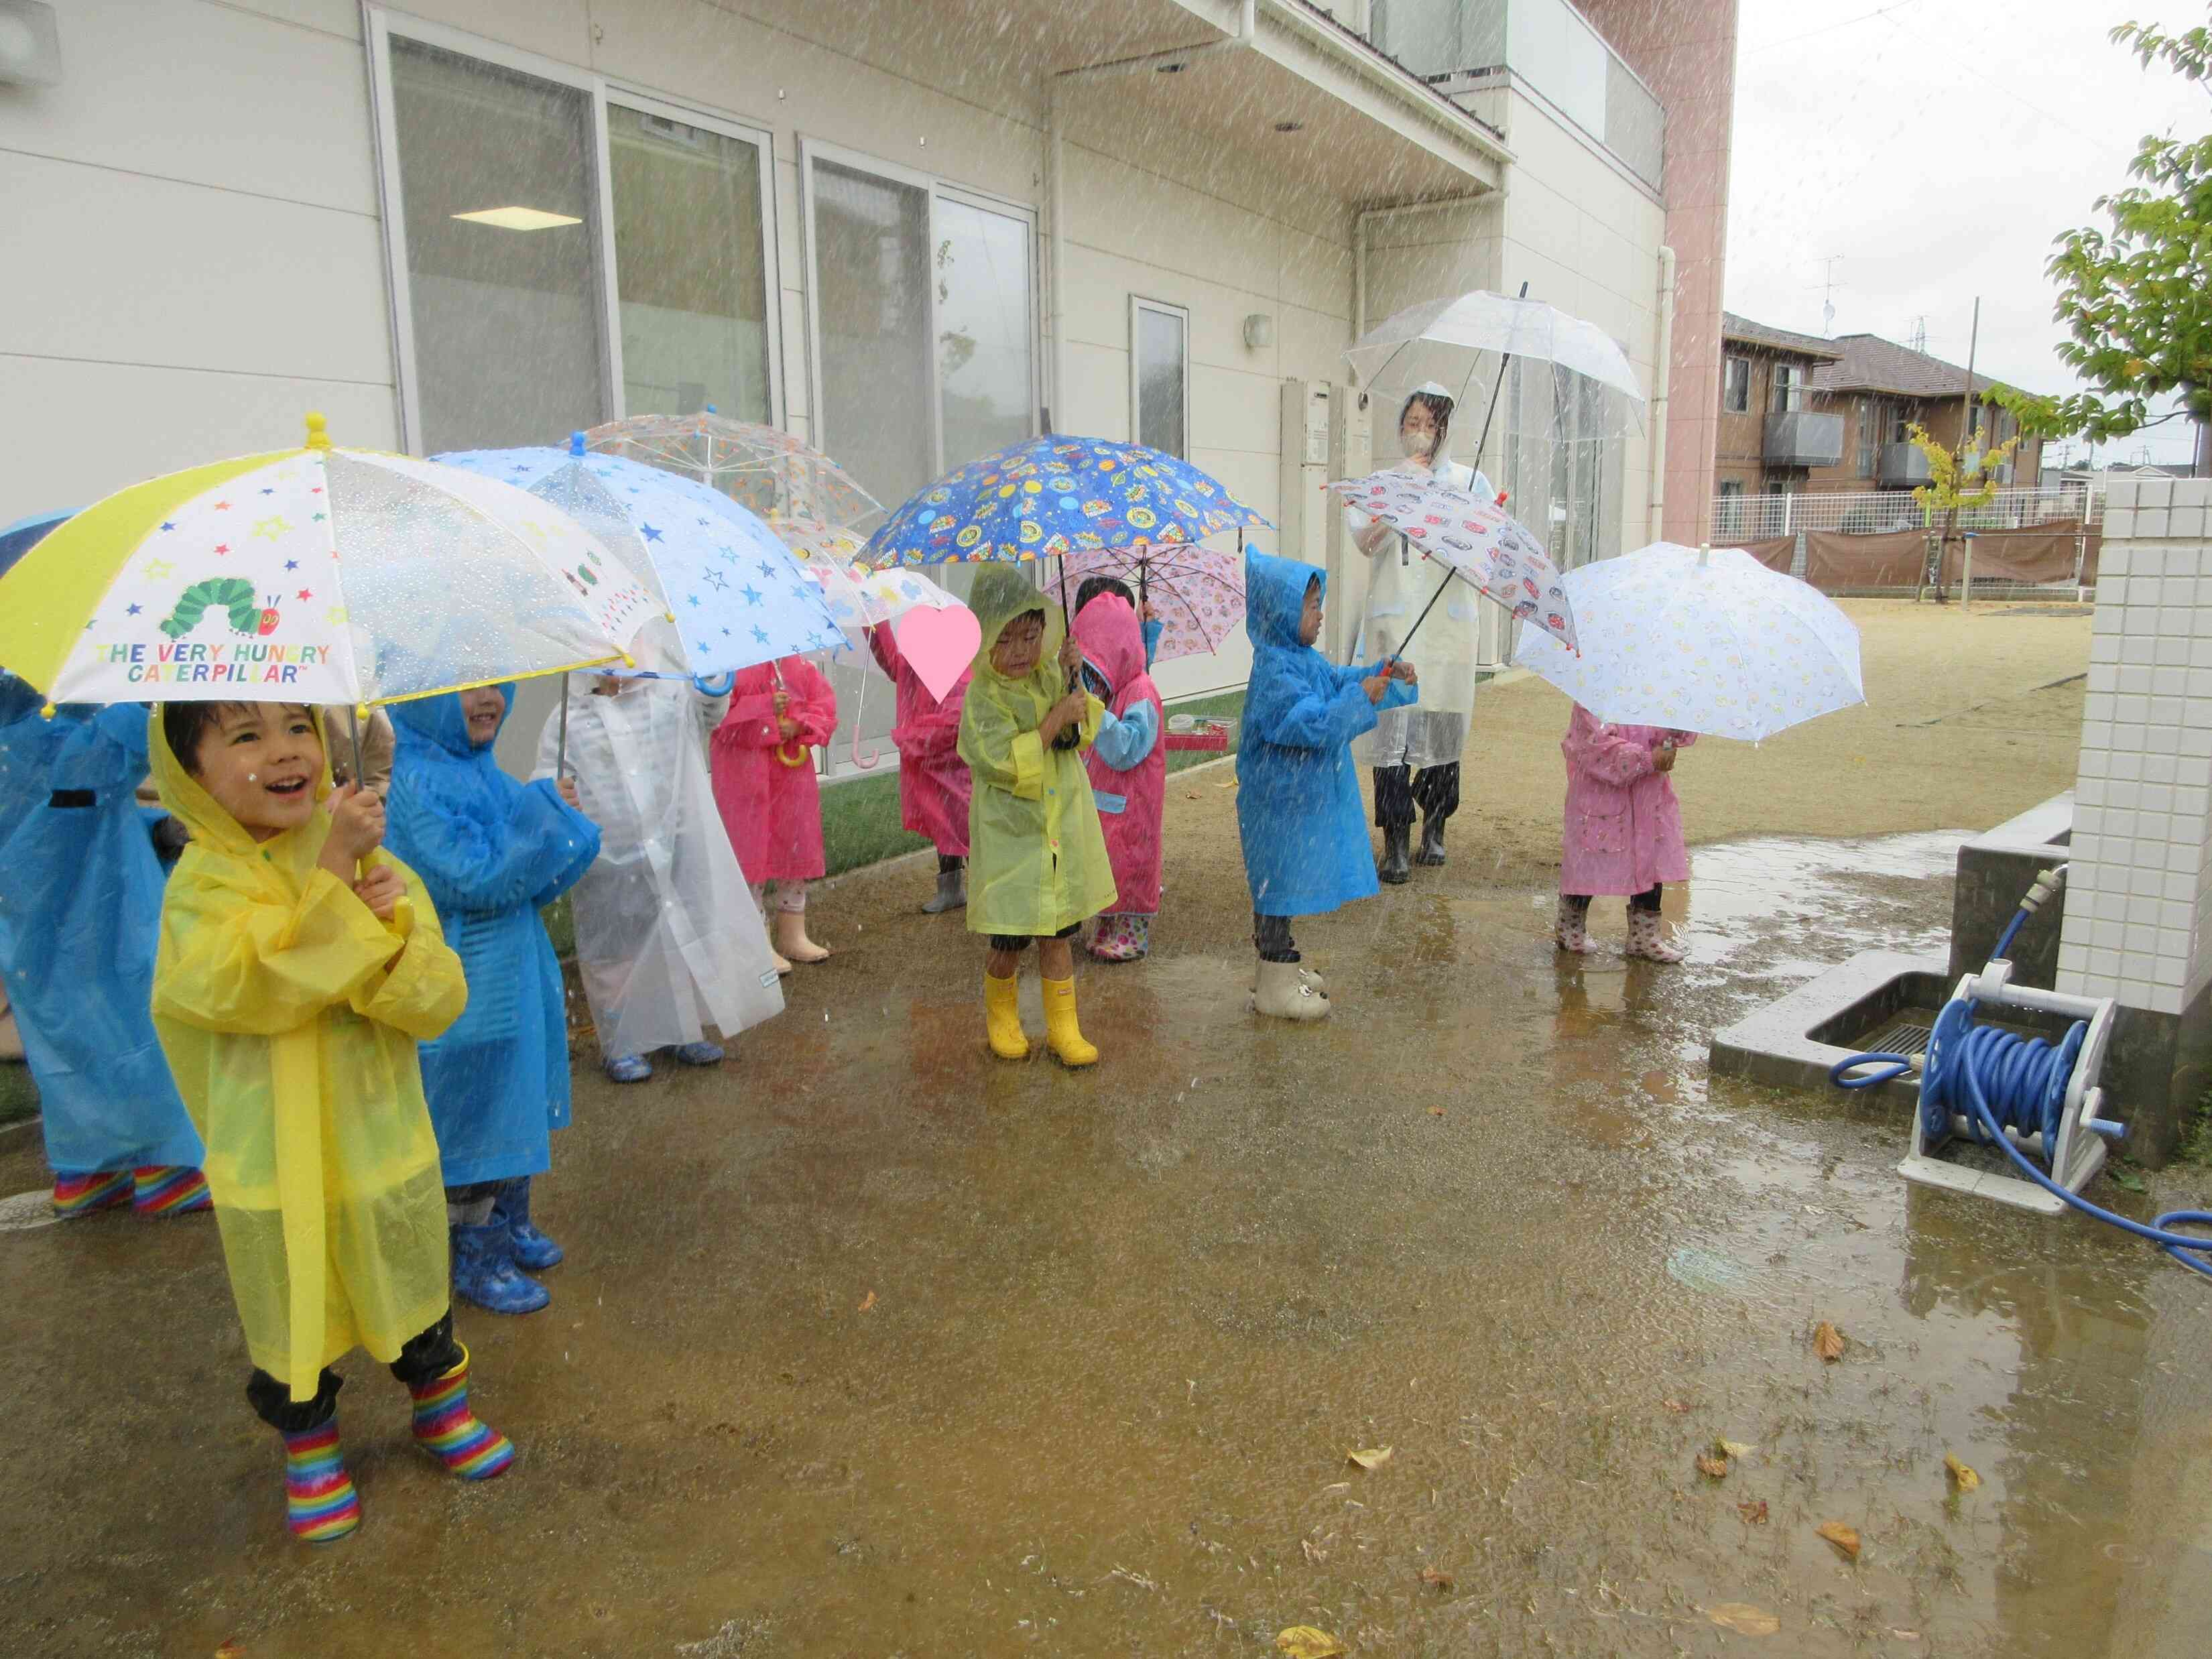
(1036, 858)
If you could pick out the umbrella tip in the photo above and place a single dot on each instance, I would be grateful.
(319, 434)
(576, 443)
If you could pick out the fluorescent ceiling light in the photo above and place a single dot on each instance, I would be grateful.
(519, 218)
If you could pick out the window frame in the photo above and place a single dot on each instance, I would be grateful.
(1730, 361)
(1138, 305)
(600, 90)
(811, 150)
(1787, 383)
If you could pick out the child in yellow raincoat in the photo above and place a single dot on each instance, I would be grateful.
(1037, 862)
(298, 968)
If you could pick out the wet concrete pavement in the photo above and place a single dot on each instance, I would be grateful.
(867, 1345)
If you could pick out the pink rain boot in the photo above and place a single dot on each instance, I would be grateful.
(1572, 929)
(1647, 938)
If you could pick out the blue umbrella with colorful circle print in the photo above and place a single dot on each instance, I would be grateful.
(736, 593)
(1054, 496)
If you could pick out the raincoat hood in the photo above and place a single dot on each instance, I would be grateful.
(214, 828)
(1002, 592)
(1113, 641)
(440, 720)
(1275, 598)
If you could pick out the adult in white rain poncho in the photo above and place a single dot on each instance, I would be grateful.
(668, 938)
(1415, 751)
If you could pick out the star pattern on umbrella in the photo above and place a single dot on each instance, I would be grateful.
(752, 595)
(760, 634)
(648, 533)
(272, 529)
(158, 570)
(133, 609)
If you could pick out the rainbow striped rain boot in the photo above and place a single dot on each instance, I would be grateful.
(320, 1505)
(445, 1426)
(169, 1189)
(84, 1194)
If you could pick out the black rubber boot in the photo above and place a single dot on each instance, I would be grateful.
(1432, 841)
(1396, 867)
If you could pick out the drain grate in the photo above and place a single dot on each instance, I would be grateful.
(1904, 1037)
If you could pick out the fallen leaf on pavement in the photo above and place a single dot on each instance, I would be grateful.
(231, 1650)
(1828, 1341)
(1680, 1408)
(1731, 1447)
(1374, 1458)
(1754, 1515)
(1443, 1581)
(2123, 1181)
(1314, 1556)
(1744, 1618)
(1304, 1642)
(1436, 1111)
(1844, 1538)
(1709, 1465)
(867, 1301)
(1904, 1635)
(1965, 1477)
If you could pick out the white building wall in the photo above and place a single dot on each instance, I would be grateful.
(2139, 906)
(203, 190)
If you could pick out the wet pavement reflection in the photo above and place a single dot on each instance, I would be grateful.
(866, 1344)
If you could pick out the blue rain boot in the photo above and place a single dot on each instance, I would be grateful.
(485, 1271)
(629, 1068)
(701, 1054)
(533, 1251)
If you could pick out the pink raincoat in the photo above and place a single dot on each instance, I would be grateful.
(1623, 827)
(1113, 643)
(773, 810)
(933, 781)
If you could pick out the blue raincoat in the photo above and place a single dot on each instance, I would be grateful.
(1297, 798)
(491, 852)
(80, 918)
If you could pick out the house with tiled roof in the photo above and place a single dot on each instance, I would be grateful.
(1832, 415)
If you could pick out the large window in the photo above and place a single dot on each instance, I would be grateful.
(1159, 376)
(1786, 388)
(925, 325)
(564, 252)
(1735, 385)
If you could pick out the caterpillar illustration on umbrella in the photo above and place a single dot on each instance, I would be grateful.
(232, 593)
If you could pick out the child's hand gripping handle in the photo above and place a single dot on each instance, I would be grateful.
(357, 830)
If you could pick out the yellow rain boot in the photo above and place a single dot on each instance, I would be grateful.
(1002, 1017)
(1062, 1034)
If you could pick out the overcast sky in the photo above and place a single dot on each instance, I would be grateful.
(1937, 146)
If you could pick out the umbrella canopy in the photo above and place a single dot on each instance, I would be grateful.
(21, 536)
(761, 468)
(313, 575)
(1478, 540)
(1712, 642)
(1054, 496)
(737, 594)
(1196, 591)
(860, 598)
(1446, 340)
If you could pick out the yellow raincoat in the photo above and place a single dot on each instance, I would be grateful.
(1036, 858)
(289, 1015)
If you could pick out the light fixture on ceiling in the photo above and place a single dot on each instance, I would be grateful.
(519, 218)
(1289, 126)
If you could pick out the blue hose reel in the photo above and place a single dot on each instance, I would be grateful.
(2036, 1101)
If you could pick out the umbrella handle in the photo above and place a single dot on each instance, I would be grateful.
(561, 755)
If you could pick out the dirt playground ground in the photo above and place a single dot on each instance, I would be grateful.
(867, 1344)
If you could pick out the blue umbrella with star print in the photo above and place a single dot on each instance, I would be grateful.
(737, 594)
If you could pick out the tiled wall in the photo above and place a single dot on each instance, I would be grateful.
(2139, 906)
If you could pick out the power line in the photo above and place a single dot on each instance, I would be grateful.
(1829, 28)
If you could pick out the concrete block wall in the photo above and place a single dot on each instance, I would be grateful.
(2139, 910)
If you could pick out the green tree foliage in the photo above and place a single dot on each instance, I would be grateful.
(2135, 297)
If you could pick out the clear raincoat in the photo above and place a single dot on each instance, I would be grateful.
(80, 915)
(1297, 798)
(1038, 859)
(668, 938)
(291, 1015)
(1400, 582)
(493, 853)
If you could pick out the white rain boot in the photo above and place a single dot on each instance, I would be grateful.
(1647, 938)
(1282, 993)
(1572, 929)
(792, 943)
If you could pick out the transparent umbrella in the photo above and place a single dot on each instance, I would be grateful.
(761, 468)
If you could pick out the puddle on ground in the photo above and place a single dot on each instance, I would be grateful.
(867, 1344)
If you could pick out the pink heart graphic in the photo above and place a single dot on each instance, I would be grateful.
(940, 644)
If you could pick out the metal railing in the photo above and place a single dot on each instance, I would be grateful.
(1739, 519)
